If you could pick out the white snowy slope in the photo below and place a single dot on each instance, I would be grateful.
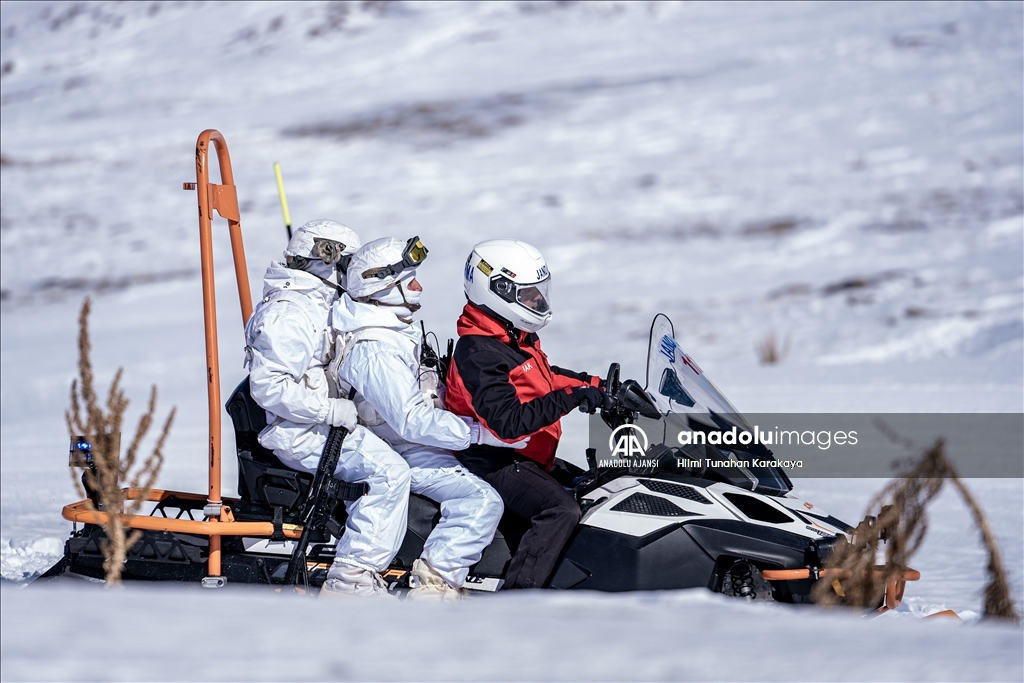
(847, 177)
(159, 634)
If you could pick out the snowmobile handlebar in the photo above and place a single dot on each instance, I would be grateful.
(625, 400)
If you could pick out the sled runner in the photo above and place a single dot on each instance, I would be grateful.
(669, 522)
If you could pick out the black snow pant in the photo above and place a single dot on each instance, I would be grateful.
(551, 512)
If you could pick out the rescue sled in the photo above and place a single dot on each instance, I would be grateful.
(657, 526)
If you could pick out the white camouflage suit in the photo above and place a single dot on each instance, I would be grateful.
(290, 341)
(382, 362)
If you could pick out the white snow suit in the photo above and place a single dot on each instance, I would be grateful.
(382, 363)
(289, 343)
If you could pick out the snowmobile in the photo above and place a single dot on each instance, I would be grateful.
(661, 518)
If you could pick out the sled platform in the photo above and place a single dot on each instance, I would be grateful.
(188, 516)
(179, 542)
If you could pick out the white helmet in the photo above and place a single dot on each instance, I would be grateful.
(510, 279)
(380, 271)
(322, 247)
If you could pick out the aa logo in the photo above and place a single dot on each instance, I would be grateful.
(627, 441)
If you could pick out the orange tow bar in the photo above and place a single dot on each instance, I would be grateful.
(893, 591)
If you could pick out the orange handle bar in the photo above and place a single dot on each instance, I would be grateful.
(223, 199)
(805, 573)
(214, 528)
(893, 591)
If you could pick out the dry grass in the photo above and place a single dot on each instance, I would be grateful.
(902, 522)
(106, 479)
(769, 351)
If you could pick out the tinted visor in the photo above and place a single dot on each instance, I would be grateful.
(535, 296)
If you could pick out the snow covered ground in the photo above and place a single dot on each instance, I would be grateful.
(688, 636)
(847, 177)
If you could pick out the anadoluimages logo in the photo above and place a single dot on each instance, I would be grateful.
(625, 442)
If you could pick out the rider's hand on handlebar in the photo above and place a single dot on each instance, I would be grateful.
(589, 399)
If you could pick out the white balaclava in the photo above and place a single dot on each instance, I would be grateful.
(399, 298)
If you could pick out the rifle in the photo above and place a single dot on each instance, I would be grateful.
(319, 508)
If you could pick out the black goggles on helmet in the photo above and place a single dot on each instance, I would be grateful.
(331, 252)
(413, 255)
(328, 251)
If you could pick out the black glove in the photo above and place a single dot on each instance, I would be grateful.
(589, 399)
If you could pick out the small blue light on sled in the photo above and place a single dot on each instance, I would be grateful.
(81, 452)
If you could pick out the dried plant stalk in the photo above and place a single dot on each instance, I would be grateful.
(901, 523)
(998, 602)
(104, 480)
(769, 351)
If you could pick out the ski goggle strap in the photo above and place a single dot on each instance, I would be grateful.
(412, 256)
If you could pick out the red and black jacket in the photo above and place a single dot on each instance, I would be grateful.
(502, 378)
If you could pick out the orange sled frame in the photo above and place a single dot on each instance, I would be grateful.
(219, 520)
(893, 590)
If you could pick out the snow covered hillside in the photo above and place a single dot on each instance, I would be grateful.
(847, 177)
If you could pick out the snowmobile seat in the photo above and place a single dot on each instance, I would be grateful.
(263, 480)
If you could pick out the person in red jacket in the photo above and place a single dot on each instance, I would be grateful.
(500, 377)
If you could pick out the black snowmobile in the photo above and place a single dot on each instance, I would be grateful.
(659, 518)
(664, 517)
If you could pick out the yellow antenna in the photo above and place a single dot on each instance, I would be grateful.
(284, 199)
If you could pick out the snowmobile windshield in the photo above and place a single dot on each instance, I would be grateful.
(681, 386)
(535, 296)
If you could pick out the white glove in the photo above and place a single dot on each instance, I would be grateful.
(342, 414)
(478, 434)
